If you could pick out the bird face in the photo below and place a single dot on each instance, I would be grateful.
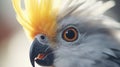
(42, 50)
(77, 43)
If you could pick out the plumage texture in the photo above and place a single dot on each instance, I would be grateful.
(40, 16)
(96, 45)
(37, 16)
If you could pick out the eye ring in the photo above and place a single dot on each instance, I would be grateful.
(70, 34)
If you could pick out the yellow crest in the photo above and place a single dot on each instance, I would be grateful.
(38, 16)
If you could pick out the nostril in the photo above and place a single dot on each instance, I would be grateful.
(42, 37)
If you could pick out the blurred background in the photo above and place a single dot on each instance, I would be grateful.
(14, 45)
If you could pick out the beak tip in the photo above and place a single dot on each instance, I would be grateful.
(33, 53)
(32, 61)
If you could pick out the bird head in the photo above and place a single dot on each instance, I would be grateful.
(69, 33)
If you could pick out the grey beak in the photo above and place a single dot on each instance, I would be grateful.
(38, 48)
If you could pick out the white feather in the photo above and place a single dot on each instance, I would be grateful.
(85, 7)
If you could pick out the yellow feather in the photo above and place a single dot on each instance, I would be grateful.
(39, 16)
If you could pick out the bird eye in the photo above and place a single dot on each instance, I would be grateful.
(70, 34)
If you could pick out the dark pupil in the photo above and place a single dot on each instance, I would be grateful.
(70, 34)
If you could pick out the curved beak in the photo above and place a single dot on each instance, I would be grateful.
(41, 53)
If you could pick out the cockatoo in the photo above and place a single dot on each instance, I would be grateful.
(70, 33)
